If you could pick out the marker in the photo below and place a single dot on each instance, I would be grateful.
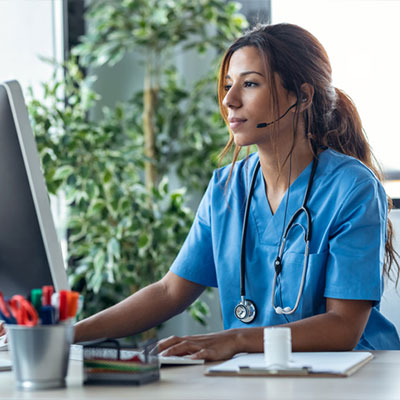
(63, 305)
(73, 300)
(47, 292)
(36, 299)
(47, 315)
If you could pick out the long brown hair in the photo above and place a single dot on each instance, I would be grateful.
(332, 120)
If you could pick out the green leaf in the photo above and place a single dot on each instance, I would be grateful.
(99, 260)
(113, 248)
(143, 240)
(199, 310)
(63, 172)
(163, 186)
(97, 206)
(107, 176)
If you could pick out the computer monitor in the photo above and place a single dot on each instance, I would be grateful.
(30, 254)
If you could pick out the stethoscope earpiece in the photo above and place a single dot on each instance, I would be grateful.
(280, 310)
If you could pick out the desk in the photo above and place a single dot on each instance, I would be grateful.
(378, 380)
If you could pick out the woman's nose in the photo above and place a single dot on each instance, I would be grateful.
(232, 99)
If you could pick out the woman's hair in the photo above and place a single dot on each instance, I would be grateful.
(331, 120)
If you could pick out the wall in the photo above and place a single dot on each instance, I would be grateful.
(29, 29)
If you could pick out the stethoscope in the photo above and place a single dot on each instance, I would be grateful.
(246, 311)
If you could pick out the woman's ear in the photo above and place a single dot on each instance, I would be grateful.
(307, 93)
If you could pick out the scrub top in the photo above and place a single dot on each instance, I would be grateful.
(348, 208)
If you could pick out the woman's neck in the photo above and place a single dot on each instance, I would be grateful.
(276, 171)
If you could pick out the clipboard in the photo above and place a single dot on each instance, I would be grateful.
(310, 364)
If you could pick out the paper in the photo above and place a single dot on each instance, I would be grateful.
(5, 365)
(323, 362)
(3, 344)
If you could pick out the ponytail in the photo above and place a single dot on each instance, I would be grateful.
(344, 133)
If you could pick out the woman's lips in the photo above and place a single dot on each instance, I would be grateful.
(236, 122)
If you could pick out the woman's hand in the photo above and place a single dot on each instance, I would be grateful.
(212, 347)
(2, 330)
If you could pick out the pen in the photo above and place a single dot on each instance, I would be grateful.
(55, 302)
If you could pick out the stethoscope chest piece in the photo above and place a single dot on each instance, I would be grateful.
(245, 311)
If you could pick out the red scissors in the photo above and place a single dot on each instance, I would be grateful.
(18, 310)
(5, 311)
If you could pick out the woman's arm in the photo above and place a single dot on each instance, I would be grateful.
(144, 309)
(340, 328)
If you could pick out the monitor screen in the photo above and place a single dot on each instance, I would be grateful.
(30, 254)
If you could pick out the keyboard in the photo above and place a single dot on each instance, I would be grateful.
(179, 360)
(76, 353)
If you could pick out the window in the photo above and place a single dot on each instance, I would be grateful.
(361, 38)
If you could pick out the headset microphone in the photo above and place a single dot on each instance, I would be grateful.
(265, 124)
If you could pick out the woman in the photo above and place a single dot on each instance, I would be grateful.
(275, 93)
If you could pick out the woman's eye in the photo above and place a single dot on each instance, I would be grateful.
(250, 84)
(227, 87)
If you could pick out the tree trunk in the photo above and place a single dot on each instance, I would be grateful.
(149, 104)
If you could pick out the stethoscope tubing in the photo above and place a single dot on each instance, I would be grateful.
(307, 238)
(244, 230)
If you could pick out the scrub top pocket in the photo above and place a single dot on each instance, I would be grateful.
(312, 300)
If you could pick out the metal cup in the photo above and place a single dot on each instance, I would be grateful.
(40, 355)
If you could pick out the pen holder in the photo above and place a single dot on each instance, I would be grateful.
(107, 362)
(40, 355)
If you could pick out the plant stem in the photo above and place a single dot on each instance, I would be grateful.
(149, 101)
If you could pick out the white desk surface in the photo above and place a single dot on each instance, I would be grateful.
(378, 380)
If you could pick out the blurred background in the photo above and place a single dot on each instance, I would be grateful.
(122, 96)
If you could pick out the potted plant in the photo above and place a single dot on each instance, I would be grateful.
(125, 225)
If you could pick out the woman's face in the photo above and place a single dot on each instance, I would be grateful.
(248, 100)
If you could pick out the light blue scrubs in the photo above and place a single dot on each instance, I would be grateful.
(348, 207)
